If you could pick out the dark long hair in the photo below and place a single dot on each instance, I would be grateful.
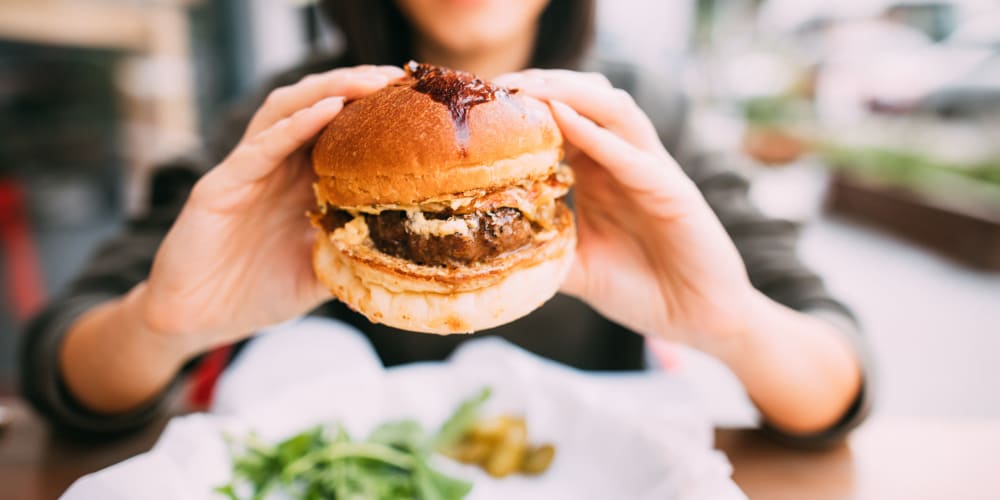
(377, 32)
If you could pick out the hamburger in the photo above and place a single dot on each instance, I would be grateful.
(440, 204)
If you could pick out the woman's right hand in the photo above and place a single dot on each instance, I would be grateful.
(238, 258)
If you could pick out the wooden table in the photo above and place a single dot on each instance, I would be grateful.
(888, 458)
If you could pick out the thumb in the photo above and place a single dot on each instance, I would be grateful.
(315, 291)
(576, 279)
(320, 292)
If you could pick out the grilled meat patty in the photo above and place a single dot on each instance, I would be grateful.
(483, 235)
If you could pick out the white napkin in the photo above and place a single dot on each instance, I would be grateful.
(638, 436)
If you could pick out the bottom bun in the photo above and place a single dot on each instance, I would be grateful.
(518, 293)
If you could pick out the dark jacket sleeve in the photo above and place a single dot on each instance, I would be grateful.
(768, 246)
(117, 266)
(124, 261)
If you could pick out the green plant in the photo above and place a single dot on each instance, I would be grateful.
(325, 463)
(905, 167)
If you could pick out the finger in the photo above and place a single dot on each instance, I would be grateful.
(351, 83)
(259, 156)
(574, 284)
(594, 185)
(612, 108)
(315, 290)
(633, 168)
(593, 77)
(588, 76)
(319, 292)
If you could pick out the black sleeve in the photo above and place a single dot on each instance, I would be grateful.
(124, 261)
(768, 246)
(117, 266)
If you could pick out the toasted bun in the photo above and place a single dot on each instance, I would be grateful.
(439, 135)
(400, 146)
(434, 300)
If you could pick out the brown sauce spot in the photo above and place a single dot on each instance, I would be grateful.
(457, 90)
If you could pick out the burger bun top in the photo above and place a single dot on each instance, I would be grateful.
(399, 145)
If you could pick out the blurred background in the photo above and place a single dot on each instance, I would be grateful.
(875, 123)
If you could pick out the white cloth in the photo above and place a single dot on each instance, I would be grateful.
(638, 436)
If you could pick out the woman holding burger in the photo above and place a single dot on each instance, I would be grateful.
(668, 245)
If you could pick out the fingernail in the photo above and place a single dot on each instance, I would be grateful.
(507, 79)
(392, 70)
(330, 102)
(524, 79)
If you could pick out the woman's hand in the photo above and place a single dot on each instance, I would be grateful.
(238, 258)
(651, 254)
(653, 257)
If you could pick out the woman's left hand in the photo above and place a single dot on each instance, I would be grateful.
(651, 255)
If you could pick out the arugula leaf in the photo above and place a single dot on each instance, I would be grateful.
(405, 435)
(433, 485)
(323, 462)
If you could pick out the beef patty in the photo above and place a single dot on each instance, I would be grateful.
(491, 233)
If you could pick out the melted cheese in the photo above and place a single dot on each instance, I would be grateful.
(354, 232)
(416, 223)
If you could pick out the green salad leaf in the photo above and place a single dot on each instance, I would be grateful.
(324, 462)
